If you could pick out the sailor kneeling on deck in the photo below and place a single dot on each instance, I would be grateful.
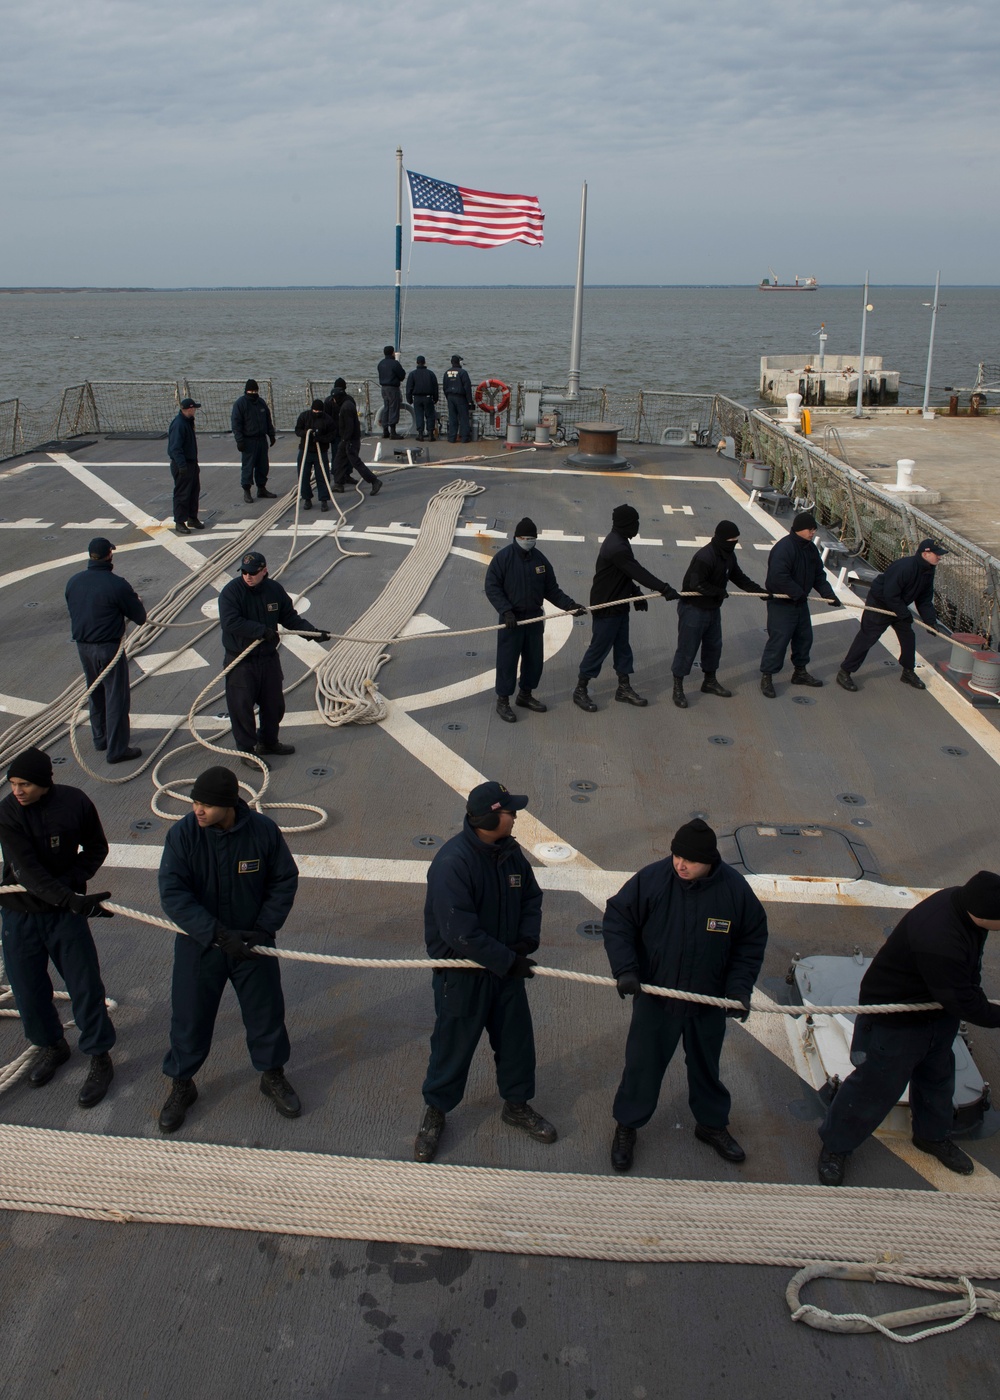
(934, 953)
(483, 903)
(228, 879)
(692, 923)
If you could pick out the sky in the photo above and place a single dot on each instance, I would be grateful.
(225, 144)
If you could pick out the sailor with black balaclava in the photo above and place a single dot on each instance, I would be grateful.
(253, 429)
(518, 580)
(699, 619)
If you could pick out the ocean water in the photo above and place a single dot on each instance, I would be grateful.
(695, 339)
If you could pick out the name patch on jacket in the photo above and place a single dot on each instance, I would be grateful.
(514, 881)
(54, 843)
(539, 568)
(271, 607)
(251, 867)
(719, 925)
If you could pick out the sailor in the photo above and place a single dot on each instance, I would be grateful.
(253, 429)
(100, 604)
(182, 449)
(422, 394)
(934, 953)
(518, 579)
(483, 903)
(250, 609)
(348, 455)
(692, 923)
(314, 457)
(53, 843)
(227, 879)
(390, 375)
(699, 620)
(616, 576)
(458, 395)
(794, 569)
(908, 580)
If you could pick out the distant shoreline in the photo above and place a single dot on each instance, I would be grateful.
(470, 287)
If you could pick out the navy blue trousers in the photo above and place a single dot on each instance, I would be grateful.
(458, 418)
(347, 459)
(311, 468)
(467, 1003)
(653, 1037)
(524, 644)
(871, 628)
(29, 941)
(894, 1056)
(610, 634)
(200, 977)
(254, 465)
(787, 622)
(109, 703)
(392, 400)
(187, 490)
(255, 681)
(697, 627)
(423, 414)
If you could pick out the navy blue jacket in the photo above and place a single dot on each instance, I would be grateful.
(482, 899)
(457, 384)
(794, 567)
(909, 580)
(703, 936)
(182, 443)
(935, 953)
(99, 603)
(518, 580)
(390, 372)
(247, 613)
(345, 414)
(617, 573)
(422, 382)
(323, 427)
(709, 572)
(243, 878)
(52, 847)
(251, 418)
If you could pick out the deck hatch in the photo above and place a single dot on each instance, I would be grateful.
(800, 849)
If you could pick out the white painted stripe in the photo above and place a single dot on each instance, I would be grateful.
(30, 522)
(14, 705)
(699, 541)
(19, 575)
(678, 510)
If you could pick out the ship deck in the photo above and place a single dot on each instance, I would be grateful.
(107, 1309)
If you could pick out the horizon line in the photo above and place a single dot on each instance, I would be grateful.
(471, 286)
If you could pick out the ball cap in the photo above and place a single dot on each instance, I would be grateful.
(456, 359)
(99, 547)
(493, 797)
(935, 547)
(252, 562)
(190, 403)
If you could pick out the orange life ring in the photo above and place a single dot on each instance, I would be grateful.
(492, 396)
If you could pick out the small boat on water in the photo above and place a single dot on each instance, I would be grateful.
(770, 283)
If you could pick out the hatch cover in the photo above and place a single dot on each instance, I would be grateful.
(792, 849)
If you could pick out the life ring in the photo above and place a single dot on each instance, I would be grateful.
(492, 396)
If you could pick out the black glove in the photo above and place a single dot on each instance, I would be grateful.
(241, 446)
(234, 944)
(254, 936)
(322, 637)
(640, 605)
(578, 611)
(509, 620)
(670, 594)
(628, 984)
(834, 603)
(525, 946)
(739, 1013)
(272, 440)
(522, 966)
(270, 634)
(89, 905)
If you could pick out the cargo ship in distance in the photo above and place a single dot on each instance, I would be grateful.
(770, 283)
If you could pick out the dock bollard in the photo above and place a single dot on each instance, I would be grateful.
(759, 474)
(986, 671)
(960, 661)
(904, 474)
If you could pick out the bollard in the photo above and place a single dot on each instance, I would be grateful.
(953, 406)
(542, 434)
(986, 671)
(960, 661)
(760, 475)
(904, 474)
(513, 432)
(794, 402)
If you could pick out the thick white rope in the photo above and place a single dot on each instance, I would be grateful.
(974, 1300)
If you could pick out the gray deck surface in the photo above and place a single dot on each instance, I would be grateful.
(99, 1310)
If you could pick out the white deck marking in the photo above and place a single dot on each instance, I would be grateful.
(19, 575)
(557, 537)
(14, 705)
(698, 542)
(103, 522)
(187, 659)
(420, 624)
(678, 510)
(636, 539)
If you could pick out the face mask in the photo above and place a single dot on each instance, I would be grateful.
(527, 542)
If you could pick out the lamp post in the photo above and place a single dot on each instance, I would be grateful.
(930, 347)
(858, 412)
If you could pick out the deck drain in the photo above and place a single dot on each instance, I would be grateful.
(428, 842)
(583, 785)
(50, 537)
(719, 739)
(553, 851)
(472, 653)
(860, 821)
(32, 605)
(143, 824)
(454, 726)
(319, 772)
(60, 758)
(590, 928)
(852, 799)
(222, 714)
(803, 700)
(954, 751)
(579, 797)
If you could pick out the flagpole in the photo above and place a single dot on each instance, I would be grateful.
(399, 240)
(576, 336)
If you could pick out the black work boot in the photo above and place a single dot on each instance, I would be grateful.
(263, 494)
(911, 678)
(845, 680)
(376, 486)
(282, 750)
(523, 1116)
(394, 434)
(306, 505)
(274, 1086)
(831, 1167)
(248, 498)
(50, 1057)
(627, 695)
(581, 698)
(679, 698)
(504, 710)
(948, 1154)
(97, 1082)
(174, 1111)
(800, 676)
(425, 1144)
(385, 432)
(622, 1148)
(723, 1142)
(710, 686)
(527, 701)
(767, 686)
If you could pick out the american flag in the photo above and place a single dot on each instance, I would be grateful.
(444, 213)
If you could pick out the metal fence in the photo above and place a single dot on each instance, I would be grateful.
(11, 433)
(647, 415)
